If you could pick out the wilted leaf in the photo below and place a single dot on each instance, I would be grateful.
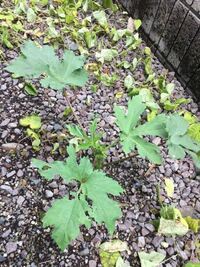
(194, 131)
(100, 16)
(148, 98)
(129, 82)
(106, 55)
(169, 187)
(193, 224)
(152, 259)
(120, 263)
(109, 259)
(147, 51)
(33, 121)
(172, 227)
(31, 16)
(134, 63)
(114, 246)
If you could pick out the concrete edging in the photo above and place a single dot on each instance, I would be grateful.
(173, 28)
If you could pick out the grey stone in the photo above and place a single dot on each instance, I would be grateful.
(73, 46)
(197, 207)
(7, 188)
(53, 184)
(150, 227)
(141, 241)
(20, 173)
(5, 122)
(10, 174)
(84, 252)
(48, 194)
(157, 240)
(6, 233)
(20, 200)
(92, 263)
(2, 258)
(3, 87)
(57, 126)
(4, 134)
(12, 125)
(11, 146)
(145, 232)
(3, 171)
(11, 247)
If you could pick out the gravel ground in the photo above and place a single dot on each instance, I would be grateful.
(25, 195)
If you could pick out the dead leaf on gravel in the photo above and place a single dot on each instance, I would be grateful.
(130, 25)
(115, 246)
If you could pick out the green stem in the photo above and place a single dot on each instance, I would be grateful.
(74, 114)
(121, 160)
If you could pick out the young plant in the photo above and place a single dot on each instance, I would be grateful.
(90, 202)
(131, 134)
(179, 142)
(91, 140)
(173, 128)
(33, 124)
(36, 61)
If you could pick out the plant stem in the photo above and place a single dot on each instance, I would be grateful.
(121, 160)
(159, 200)
(173, 256)
(74, 114)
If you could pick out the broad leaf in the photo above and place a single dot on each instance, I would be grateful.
(131, 135)
(179, 142)
(194, 131)
(192, 264)
(152, 259)
(50, 170)
(66, 216)
(35, 61)
(91, 202)
(176, 125)
(153, 127)
(96, 187)
(127, 122)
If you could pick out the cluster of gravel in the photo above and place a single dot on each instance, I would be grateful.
(25, 196)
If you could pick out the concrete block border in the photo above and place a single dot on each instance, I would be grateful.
(173, 29)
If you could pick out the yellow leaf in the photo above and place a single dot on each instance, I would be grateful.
(119, 95)
(169, 187)
(192, 223)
